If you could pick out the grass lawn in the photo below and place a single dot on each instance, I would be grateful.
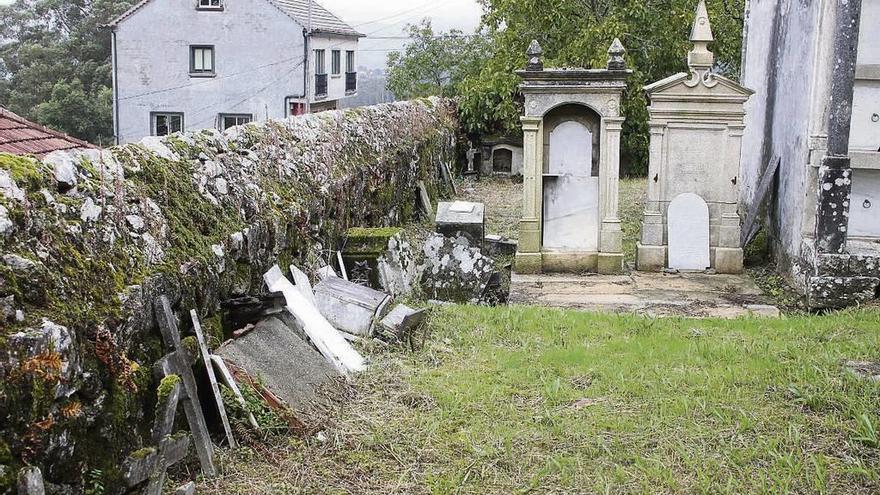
(532, 400)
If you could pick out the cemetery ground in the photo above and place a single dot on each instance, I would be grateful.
(503, 400)
(536, 400)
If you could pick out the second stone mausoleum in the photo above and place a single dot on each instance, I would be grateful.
(691, 219)
(571, 148)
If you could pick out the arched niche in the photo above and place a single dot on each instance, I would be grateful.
(502, 160)
(576, 131)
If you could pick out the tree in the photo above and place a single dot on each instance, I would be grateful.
(434, 65)
(55, 64)
(578, 33)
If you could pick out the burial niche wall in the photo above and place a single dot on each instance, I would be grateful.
(696, 124)
(571, 161)
(571, 179)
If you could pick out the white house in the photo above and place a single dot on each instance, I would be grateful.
(196, 64)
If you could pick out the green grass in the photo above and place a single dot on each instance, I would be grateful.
(531, 400)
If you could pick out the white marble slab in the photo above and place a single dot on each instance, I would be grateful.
(571, 213)
(864, 209)
(688, 224)
(571, 149)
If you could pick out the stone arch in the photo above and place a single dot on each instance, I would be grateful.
(580, 114)
(502, 159)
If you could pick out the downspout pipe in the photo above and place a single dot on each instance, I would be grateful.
(835, 173)
(115, 81)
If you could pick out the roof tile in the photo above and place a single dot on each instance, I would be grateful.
(22, 137)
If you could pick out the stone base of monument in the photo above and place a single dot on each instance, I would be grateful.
(646, 293)
(650, 258)
(728, 260)
(609, 263)
(528, 263)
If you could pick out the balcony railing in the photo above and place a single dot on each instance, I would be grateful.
(320, 85)
(351, 82)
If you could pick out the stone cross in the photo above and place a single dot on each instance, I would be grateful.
(471, 153)
(177, 363)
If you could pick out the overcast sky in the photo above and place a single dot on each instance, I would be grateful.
(385, 18)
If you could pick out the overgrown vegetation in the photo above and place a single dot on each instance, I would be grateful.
(572, 33)
(530, 400)
(55, 64)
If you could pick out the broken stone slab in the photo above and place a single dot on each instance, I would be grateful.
(403, 320)
(30, 481)
(363, 248)
(350, 307)
(325, 338)
(187, 489)
(303, 284)
(152, 463)
(499, 245)
(398, 270)
(461, 217)
(286, 364)
(453, 270)
(326, 272)
(425, 200)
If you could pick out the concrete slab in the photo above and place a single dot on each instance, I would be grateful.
(288, 366)
(654, 294)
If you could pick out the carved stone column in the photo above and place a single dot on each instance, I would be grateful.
(611, 236)
(528, 256)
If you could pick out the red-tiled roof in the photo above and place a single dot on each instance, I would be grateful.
(20, 136)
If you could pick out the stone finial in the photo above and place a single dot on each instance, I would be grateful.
(615, 55)
(700, 58)
(534, 52)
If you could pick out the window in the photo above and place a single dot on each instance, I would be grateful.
(210, 5)
(349, 61)
(336, 62)
(201, 60)
(164, 123)
(228, 120)
(320, 66)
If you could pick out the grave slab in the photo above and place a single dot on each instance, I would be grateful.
(698, 295)
(289, 366)
(350, 307)
(688, 219)
(462, 217)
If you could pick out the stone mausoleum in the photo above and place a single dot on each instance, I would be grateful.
(571, 147)
(691, 219)
(816, 68)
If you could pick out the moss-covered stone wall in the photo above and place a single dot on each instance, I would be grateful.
(91, 238)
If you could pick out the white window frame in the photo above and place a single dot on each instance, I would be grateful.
(197, 54)
(336, 62)
(239, 118)
(350, 61)
(320, 61)
(209, 4)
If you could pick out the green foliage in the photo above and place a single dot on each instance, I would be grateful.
(94, 482)
(573, 33)
(434, 65)
(55, 64)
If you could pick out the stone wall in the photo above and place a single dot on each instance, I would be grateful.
(91, 238)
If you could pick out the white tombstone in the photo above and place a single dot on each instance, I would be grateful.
(688, 221)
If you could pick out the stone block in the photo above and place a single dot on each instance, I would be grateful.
(839, 292)
(569, 262)
(528, 263)
(609, 263)
(728, 260)
(529, 236)
(650, 258)
(348, 306)
(461, 217)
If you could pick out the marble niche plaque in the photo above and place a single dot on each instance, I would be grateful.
(688, 223)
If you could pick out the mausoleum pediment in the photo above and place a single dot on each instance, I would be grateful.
(692, 84)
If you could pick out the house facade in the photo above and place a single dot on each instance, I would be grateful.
(815, 66)
(182, 66)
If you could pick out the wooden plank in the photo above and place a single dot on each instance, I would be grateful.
(191, 405)
(229, 381)
(206, 358)
(751, 224)
(327, 339)
(341, 264)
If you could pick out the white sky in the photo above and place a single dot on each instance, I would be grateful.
(378, 18)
